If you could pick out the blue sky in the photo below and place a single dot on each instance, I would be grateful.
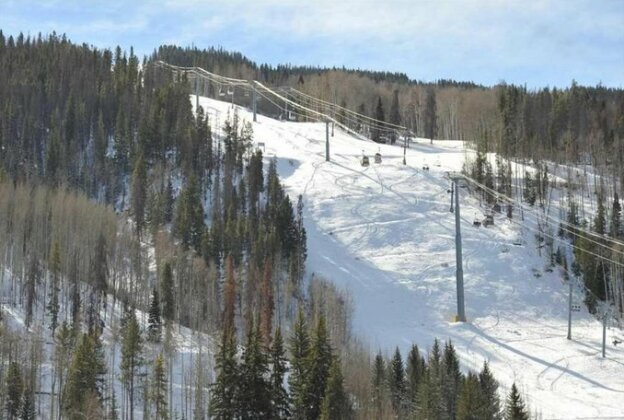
(533, 42)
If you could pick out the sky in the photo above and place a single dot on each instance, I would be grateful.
(536, 43)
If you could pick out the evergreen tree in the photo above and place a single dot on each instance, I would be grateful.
(84, 378)
(379, 115)
(224, 404)
(395, 114)
(319, 361)
(431, 123)
(396, 382)
(28, 406)
(55, 269)
(280, 400)
(335, 401)
(470, 404)
(514, 408)
(600, 221)
(616, 217)
(254, 397)
(14, 389)
(414, 373)
(489, 392)
(299, 368)
(159, 389)
(451, 379)
(154, 328)
(131, 355)
(229, 295)
(166, 286)
(379, 384)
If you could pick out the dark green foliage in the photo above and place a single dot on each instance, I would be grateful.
(189, 218)
(254, 397)
(396, 382)
(166, 287)
(84, 381)
(335, 401)
(415, 371)
(14, 388)
(280, 399)
(489, 393)
(615, 230)
(299, 355)
(28, 405)
(224, 403)
(376, 133)
(514, 408)
(319, 361)
(470, 403)
(154, 328)
(379, 384)
(451, 379)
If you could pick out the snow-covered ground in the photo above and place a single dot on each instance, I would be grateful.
(385, 234)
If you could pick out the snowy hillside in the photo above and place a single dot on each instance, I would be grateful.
(385, 234)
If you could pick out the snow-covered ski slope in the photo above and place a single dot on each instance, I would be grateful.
(385, 234)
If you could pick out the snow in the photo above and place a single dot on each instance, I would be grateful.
(385, 234)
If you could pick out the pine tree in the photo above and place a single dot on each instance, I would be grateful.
(616, 217)
(53, 303)
(166, 286)
(515, 409)
(299, 355)
(229, 295)
(379, 384)
(131, 357)
(396, 382)
(279, 396)
(224, 404)
(431, 124)
(319, 361)
(470, 404)
(159, 389)
(379, 115)
(154, 328)
(28, 406)
(489, 392)
(414, 373)
(254, 399)
(84, 378)
(335, 404)
(451, 378)
(14, 389)
(600, 222)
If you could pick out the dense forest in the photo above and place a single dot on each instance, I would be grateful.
(126, 218)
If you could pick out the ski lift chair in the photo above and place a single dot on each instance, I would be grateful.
(230, 91)
(364, 161)
(476, 222)
(221, 92)
(291, 116)
(377, 157)
(489, 220)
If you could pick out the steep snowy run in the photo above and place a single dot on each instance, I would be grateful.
(385, 234)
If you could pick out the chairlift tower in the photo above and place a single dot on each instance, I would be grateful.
(459, 270)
